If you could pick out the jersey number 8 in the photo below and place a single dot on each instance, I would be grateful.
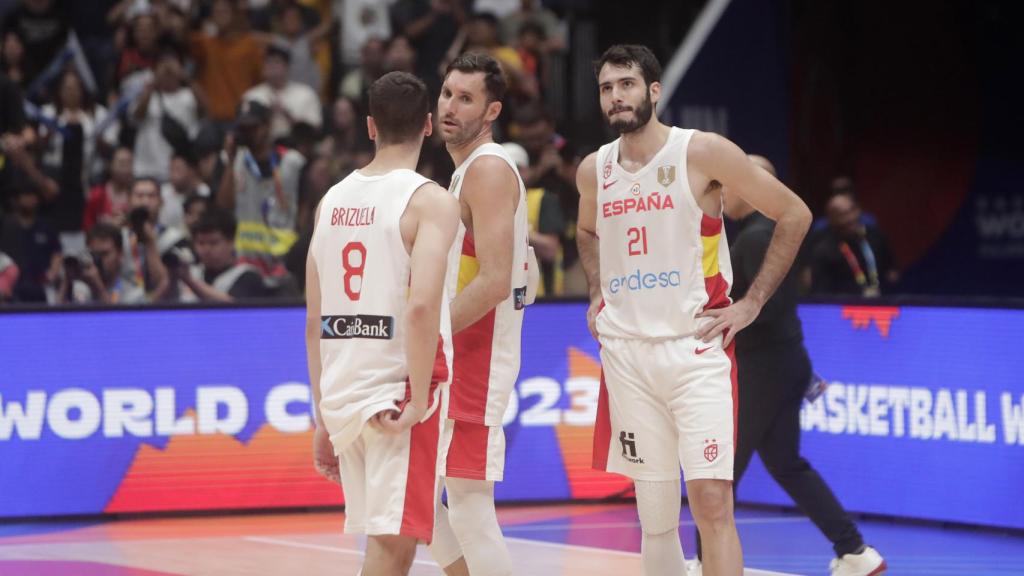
(353, 260)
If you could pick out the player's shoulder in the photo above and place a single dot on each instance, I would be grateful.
(707, 143)
(586, 173)
(489, 165)
(434, 199)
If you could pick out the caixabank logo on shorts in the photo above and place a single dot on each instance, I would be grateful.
(358, 326)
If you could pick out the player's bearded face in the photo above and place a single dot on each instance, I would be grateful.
(624, 118)
(457, 131)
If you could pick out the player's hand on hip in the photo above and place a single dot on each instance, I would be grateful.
(324, 459)
(395, 421)
(727, 321)
(595, 308)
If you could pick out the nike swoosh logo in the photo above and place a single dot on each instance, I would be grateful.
(606, 185)
(703, 350)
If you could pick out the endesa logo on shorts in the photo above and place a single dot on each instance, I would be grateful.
(359, 326)
(638, 281)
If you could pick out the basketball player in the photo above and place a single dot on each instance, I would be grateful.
(487, 279)
(651, 239)
(377, 330)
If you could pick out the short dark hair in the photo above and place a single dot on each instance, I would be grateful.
(147, 180)
(217, 220)
(399, 104)
(495, 81)
(193, 199)
(626, 55)
(487, 17)
(531, 26)
(104, 231)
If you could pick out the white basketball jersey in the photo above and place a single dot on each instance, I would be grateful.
(486, 354)
(363, 268)
(663, 260)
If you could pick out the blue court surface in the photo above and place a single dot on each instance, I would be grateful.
(785, 541)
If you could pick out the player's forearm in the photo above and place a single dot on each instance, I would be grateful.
(479, 297)
(789, 233)
(422, 328)
(587, 245)
(545, 245)
(313, 363)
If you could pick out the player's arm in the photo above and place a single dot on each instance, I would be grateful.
(437, 219)
(490, 190)
(586, 234)
(324, 459)
(721, 160)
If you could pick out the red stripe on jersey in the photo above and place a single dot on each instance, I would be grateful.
(602, 430)
(710, 226)
(471, 367)
(718, 292)
(468, 246)
(420, 479)
(467, 452)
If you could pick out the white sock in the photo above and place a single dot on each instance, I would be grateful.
(658, 505)
(475, 524)
(444, 547)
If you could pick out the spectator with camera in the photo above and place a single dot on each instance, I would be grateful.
(146, 240)
(166, 115)
(98, 276)
(290, 102)
(220, 275)
(261, 187)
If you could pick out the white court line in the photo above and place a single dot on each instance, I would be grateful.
(636, 524)
(589, 549)
(321, 548)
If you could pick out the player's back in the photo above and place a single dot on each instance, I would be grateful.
(364, 270)
(663, 260)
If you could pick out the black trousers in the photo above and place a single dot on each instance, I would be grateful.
(772, 382)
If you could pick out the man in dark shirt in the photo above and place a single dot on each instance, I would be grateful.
(773, 375)
(851, 257)
(32, 243)
(221, 277)
(43, 26)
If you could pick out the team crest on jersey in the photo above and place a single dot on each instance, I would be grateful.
(635, 189)
(666, 175)
(607, 170)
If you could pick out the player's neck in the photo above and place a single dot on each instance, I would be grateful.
(641, 145)
(393, 157)
(461, 152)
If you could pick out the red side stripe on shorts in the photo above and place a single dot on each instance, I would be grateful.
(730, 351)
(602, 430)
(421, 478)
(471, 369)
(467, 453)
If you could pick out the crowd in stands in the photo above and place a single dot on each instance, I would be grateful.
(164, 151)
